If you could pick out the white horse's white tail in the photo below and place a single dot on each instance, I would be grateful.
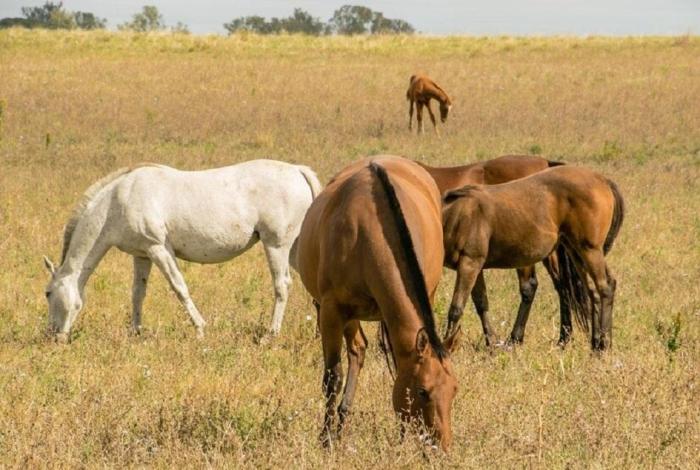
(311, 179)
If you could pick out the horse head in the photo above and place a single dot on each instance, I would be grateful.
(445, 107)
(65, 301)
(424, 391)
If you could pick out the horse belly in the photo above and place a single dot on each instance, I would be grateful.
(521, 253)
(212, 246)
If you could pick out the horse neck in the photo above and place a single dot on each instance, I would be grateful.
(403, 330)
(437, 94)
(87, 246)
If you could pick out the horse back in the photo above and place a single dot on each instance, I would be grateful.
(348, 246)
(512, 167)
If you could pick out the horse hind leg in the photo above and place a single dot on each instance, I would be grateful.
(410, 115)
(603, 292)
(142, 269)
(551, 263)
(527, 279)
(166, 262)
(467, 275)
(332, 342)
(278, 262)
(356, 345)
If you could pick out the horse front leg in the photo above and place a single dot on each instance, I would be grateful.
(527, 280)
(142, 269)
(432, 118)
(332, 342)
(419, 117)
(410, 115)
(278, 262)
(356, 345)
(467, 273)
(166, 262)
(481, 304)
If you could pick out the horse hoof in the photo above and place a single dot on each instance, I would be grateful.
(62, 338)
(200, 332)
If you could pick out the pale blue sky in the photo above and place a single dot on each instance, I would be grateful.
(475, 17)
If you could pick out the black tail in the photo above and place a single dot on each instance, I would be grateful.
(617, 218)
(573, 287)
(415, 274)
(551, 163)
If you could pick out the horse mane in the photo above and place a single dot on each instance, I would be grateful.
(85, 200)
(460, 192)
(447, 98)
(415, 273)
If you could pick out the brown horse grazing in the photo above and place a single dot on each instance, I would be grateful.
(574, 211)
(370, 249)
(421, 90)
(496, 171)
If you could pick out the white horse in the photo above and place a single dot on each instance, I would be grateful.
(157, 214)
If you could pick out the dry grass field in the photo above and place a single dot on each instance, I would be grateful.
(75, 106)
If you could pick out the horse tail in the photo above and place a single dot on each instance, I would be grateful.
(573, 287)
(551, 163)
(617, 217)
(415, 274)
(410, 84)
(311, 179)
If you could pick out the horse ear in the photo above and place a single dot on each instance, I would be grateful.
(452, 341)
(49, 265)
(422, 343)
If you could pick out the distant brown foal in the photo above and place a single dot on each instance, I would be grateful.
(572, 210)
(496, 171)
(421, 90)
(370, 249)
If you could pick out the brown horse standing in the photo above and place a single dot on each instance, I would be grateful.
(421, 90)
(370, 249)
(496, 171)
(573, 210)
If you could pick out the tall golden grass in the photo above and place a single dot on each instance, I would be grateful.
(76, 105)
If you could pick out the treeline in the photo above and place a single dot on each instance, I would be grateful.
(53, 16)
(347, 20)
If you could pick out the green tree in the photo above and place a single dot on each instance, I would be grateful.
(87, 20)
(49, 15)
(356, 19)
(300, 22)
(351, 19)
(148, 20)
(180, 28)
(52, 16)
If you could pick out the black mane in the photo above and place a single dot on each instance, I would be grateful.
(415, 274)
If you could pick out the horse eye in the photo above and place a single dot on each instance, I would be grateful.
(48, 294)
(423, 394)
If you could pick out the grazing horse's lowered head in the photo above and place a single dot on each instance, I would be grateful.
(65, 302)
(424, 391)
(445, 107)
